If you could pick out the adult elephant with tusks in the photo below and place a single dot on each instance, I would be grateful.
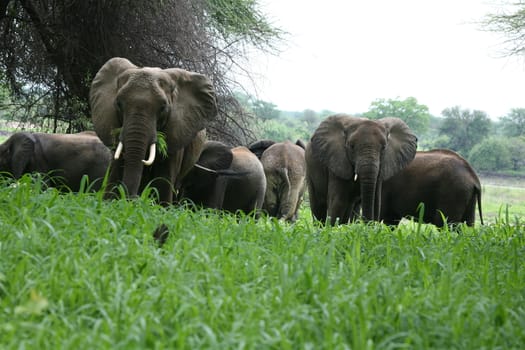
(443, 181)
(131, 105)
(348, 158)
(226, 178)
(63, 158)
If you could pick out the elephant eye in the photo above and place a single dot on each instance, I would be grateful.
(118, 105)
(164, 109)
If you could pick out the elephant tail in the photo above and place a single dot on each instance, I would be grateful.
(477, 193)
(288, 201)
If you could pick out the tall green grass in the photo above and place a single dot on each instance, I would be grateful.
(78, 272)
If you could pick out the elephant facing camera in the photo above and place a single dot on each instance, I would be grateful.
(131, 106)
(347, 160)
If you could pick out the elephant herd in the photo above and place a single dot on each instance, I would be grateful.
(352, 167)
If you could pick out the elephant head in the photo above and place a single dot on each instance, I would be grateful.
(258, 147)
(130, 105)
(350, 157)
(16, 153)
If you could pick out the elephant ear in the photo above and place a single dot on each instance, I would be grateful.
(21, 152)
(102, 98)
(194, 106)
(300, 143)
(216, 155)
(258, 147)
(328, 144)
(401, 146)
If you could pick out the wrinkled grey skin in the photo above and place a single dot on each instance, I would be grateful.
(285, 169)
(442, 180)
(343, 147)
(64, 157)
(132, 105)
(237, 180)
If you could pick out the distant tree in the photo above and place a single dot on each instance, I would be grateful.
(310, 117)
(264, 110)
(509, 21)
(516, 145)
(50, 50)
(490, 155)
(513, 124)
(464, 128)
(409, 110)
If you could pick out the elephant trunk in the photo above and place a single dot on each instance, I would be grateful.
(368, 177)
(135, 144)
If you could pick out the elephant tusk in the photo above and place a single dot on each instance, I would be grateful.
(151, 158)
(118, 152)
(355, 177)
(205, 169)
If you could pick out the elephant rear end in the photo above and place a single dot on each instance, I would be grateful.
(245, 193)
(285, 169)
(440, 179)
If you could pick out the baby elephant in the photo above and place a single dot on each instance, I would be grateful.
(226, 178)
(442, 180)
(285, 169)
(64, 157)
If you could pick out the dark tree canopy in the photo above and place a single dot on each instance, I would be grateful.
(50, 50)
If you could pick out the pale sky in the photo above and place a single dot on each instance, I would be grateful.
(343, 54)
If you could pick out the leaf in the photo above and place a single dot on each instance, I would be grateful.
(162, 145)
(34, 306)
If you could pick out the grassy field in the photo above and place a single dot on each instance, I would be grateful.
(77, 272)
(503, 198)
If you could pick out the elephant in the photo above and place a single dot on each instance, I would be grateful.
(65, 158)
(226, 178)
(347, 160)
(132, 107)
(442, 180)
(285, 169)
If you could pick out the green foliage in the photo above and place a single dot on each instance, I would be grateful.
(464, 128)
(281, 130)
(409, 110)
(264, 110)
(490, 155)
(513, 124)
(242, 19)
(162, 145)
(80, 272)
(516, 147)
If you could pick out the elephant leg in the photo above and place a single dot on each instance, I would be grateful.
(469, 215)
(291, 199)
(271, 203)
(163, 179)
(318, 201)
(340, 201)
(216, 200)
(115, 174)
